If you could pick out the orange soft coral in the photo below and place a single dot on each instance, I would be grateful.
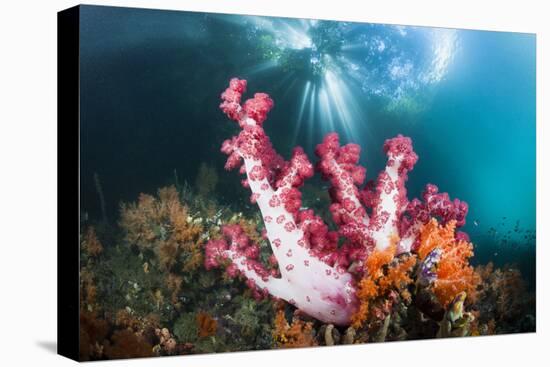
(398, 276)
(206, 324)
(384, 273)
(90, 243)
(162, 225)
(298, 334)
(454, 273)
(368, 287)
(367, 290)
(378, 259)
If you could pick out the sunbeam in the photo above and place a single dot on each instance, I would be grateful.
(259, 68)
(340, 67)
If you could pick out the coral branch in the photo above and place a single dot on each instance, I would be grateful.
(435, 204)
(391, 198)
(339, 166)
(306, 281)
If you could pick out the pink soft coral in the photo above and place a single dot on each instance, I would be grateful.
(316, 274)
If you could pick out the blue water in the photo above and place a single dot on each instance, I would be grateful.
(151, 82)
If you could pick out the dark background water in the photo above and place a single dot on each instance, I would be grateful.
(150, 87)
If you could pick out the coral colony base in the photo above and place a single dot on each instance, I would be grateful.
(185, 275)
